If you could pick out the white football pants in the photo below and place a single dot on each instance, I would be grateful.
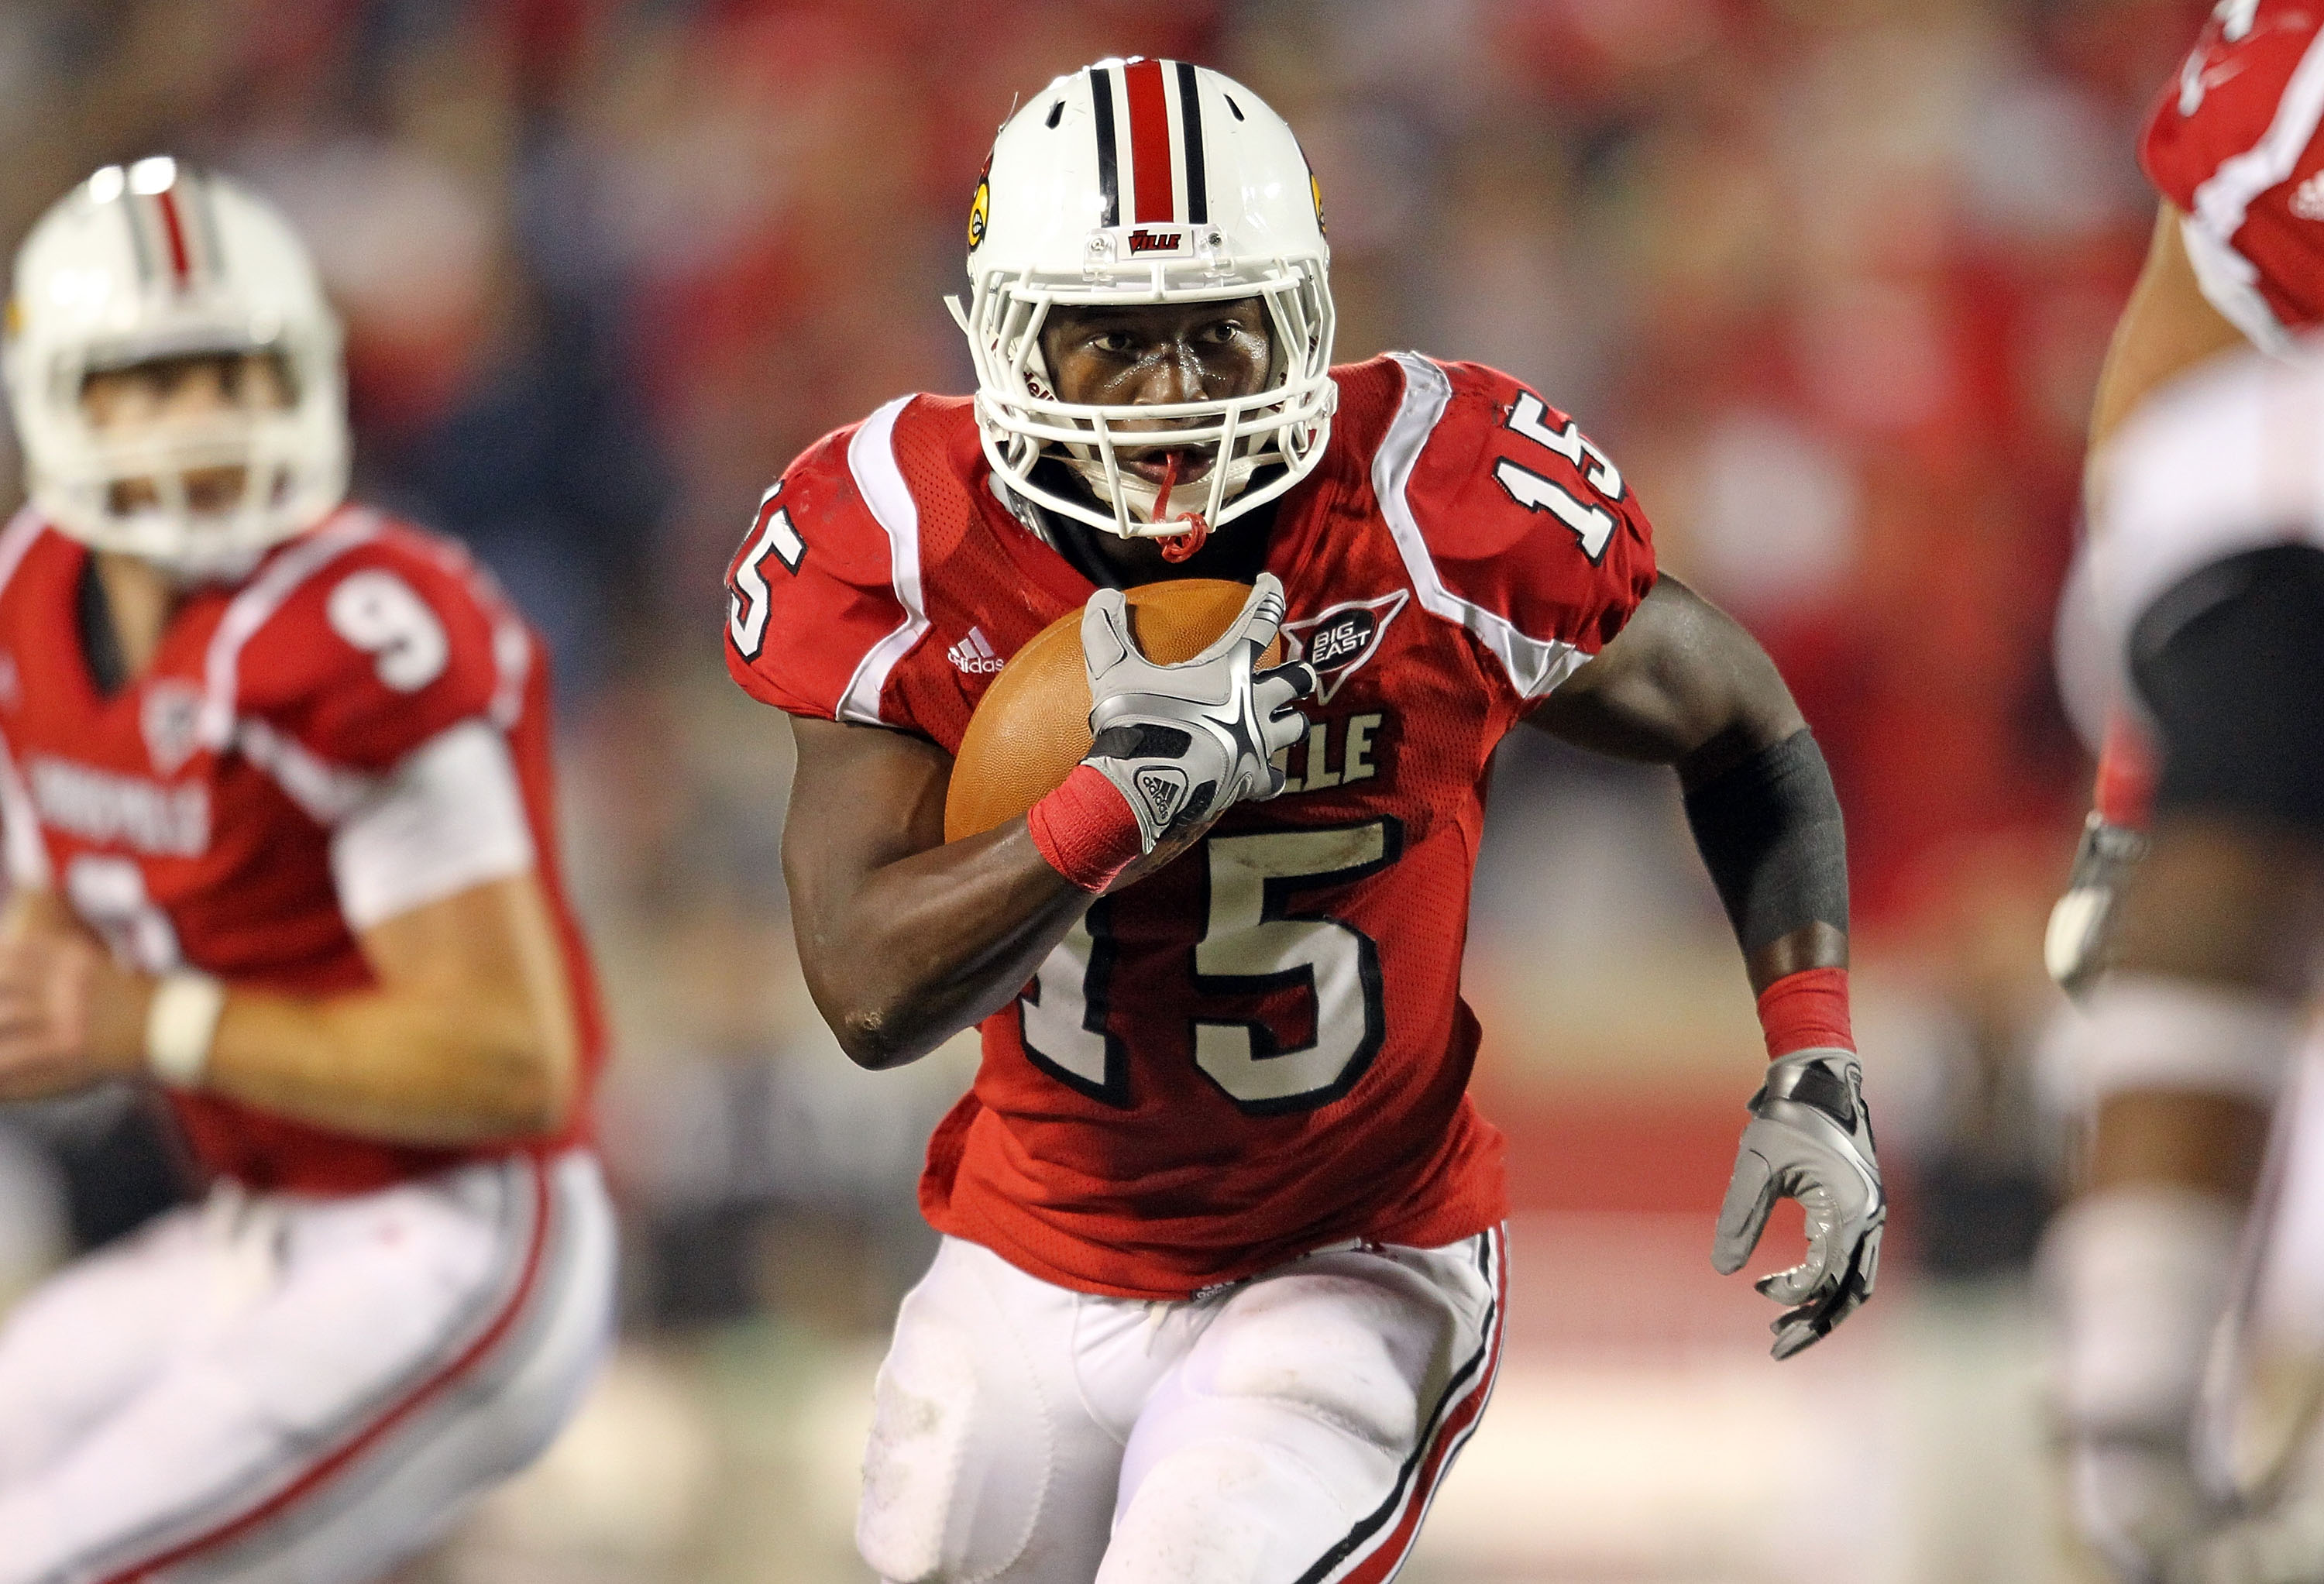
(281, 1389)
(1293, 1427)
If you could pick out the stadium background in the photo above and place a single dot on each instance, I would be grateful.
(1831, 278)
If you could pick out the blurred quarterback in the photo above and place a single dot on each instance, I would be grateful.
(279, 837)
(1220, 1290)
(2192, 588)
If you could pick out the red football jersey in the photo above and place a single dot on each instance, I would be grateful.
(189, 817)
(2233, 142)
(1261, 1049)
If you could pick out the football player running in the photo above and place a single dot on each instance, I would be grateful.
(1220, 1294)
(275, 776)
(2144, 1262)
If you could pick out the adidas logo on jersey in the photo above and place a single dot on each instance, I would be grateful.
(975, 655)
(2308, 198)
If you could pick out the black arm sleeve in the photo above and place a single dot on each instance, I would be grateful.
(1769, 832)
(2231, 663)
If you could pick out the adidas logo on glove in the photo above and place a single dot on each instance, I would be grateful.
(1164, 790)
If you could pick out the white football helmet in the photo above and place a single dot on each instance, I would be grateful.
(1147, 181)
(159, 260)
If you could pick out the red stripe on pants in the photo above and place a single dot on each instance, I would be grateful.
(411, 1403)
(1149, 143)
(1392, 1552)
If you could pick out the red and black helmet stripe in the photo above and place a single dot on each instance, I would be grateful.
(1167, 177)
(1109, 180)
(1190, 122)
(1149, 142)
(173, 232)
(138, 248)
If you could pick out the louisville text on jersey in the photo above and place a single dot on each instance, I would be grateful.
(122, 811)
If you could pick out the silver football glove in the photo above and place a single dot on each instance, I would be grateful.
(1185, 742)
(1810, 1139)
(2081, 925)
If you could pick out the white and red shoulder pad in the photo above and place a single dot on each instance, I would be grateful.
(362, 639)
(824, 596)
(2232, 141)
(1512, 523)
(373, 670)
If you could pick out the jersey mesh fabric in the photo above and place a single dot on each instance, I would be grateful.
(1116, 1162)
(2226, 129)
(247, 894)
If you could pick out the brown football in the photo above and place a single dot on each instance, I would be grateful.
(1031, 728)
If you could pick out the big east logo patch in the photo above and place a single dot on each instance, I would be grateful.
(1339, 640)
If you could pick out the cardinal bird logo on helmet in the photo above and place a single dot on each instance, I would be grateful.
(980, 208)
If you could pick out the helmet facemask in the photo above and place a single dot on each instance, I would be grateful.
(201, 494)
(1278, 428)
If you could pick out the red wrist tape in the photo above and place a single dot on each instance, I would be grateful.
(2125, 795)
(1804, 1010)
(1085, 830)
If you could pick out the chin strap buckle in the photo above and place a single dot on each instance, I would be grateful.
(1177, 546)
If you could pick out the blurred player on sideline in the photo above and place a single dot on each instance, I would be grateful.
(279, 835)
(2145, 1261)
(2208, 565)
(1220, 1294)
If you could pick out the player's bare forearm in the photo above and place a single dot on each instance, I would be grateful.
(468, 1036)
(2167, 328)
(906, 939)
(30, 908)
(1683, 685)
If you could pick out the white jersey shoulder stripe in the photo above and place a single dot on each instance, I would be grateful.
(872, 459)
(1536, 666)
(258, 599)
(327, 792)
(24, 531)
(26, 853)
(2229, 279)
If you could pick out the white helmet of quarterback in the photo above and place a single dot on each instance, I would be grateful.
(157, 261)
(1147, 181)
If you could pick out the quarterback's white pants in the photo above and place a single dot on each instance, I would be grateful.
(1290, 1428)
(292, 1390)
